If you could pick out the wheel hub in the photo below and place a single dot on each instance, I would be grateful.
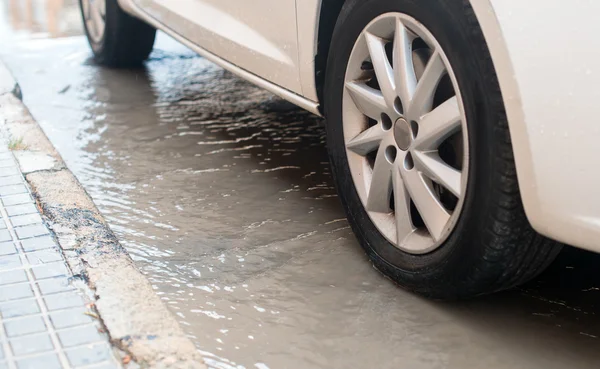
(403, 134)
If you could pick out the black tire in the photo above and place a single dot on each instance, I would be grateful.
(492, 246)
(127, 41)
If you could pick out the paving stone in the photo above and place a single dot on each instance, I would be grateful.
(18, 308)
(63, 301)
(88, 355)
(7, 248)
(9, 262)
(21, 209)
(13, 276)
(11, 180)
(25, 328)
(31, 231)
(5, 235)
(31, 344)
(79, 336)
(55, 285)
(107, 365)
(27, 219)
(70, 318)
(23, 198)
(12, 189)
(15, 292)
(4, 163)
(50, 270)
(22, 326)
(9, 171)
(44, 256)
(38, 243)
(49, 361)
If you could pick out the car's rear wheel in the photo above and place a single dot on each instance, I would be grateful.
(421, 152)
(116, 38)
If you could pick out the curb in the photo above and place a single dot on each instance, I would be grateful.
(8, 83)
(135, 319)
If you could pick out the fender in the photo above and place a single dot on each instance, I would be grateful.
(548, 68)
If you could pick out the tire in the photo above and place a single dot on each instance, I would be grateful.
(492, 245)
(124, 42)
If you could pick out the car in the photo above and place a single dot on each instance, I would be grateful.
(461, 133)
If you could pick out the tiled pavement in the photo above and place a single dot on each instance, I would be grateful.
(44, 322)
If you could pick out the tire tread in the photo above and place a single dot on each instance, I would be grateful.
(533, 252)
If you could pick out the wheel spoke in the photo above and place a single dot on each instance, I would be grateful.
(404, 72)
(424, 92)
(437, 125)
(432, 166)
(404, 226)
(86, 9)
(381, 66)
(368, 100)
(96, 20)
(380, 190)
(366, 141)
(431, 210)
(102, 7)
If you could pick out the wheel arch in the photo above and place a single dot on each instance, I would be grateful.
(127, 6)
(328, 15)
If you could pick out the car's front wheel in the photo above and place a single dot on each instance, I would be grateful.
(116, 38)
(421, 152)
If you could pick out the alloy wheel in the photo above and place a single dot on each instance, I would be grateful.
(405, 132)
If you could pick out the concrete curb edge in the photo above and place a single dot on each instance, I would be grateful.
(135, 318)
(8, 84)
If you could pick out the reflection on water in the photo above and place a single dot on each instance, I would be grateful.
(223, 196)
(41, 18)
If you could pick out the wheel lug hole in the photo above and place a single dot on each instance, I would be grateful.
(414, 127)
(398, 106)
(408, 161)
(390, 153)
(386, 122)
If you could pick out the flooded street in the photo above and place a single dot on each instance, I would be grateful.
(223, 196)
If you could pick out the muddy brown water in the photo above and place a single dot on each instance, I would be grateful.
(223, 196)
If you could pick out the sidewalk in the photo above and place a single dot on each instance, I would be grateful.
(46, 320)
(70, 294)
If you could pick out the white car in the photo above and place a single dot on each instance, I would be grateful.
(461, 133)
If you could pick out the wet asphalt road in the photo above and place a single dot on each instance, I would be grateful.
(223, 196)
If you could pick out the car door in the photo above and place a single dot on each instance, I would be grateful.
(256, 35)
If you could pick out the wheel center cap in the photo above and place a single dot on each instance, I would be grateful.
(402, 134)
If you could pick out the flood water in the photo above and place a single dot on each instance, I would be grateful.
(223, 196)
